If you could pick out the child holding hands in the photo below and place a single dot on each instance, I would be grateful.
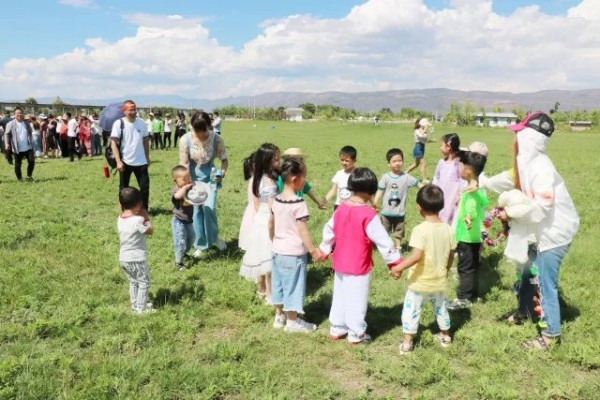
(353, 229)
(291, 242)
(429, 262)
(133, 225)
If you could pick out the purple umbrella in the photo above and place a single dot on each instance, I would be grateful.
(110, 114)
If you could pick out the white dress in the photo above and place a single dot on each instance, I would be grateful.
(257, 259)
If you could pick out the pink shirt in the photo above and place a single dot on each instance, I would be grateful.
(286, 213)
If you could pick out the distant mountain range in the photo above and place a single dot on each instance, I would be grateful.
(433, 100)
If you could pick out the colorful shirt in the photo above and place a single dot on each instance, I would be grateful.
(395, 189)
(472, 205)
(307, 187)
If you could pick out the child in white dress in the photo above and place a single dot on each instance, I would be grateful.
(256, 263)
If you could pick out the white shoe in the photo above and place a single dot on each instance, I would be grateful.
(279, 321)
(221, 245)
(300, 326)
(197, 253)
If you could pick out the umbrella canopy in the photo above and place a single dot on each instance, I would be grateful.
(5, 121)
(110, 114)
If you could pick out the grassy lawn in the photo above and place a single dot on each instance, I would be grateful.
(66, 330)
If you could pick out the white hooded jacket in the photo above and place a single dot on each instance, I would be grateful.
(553, 209)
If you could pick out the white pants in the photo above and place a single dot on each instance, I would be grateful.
(349, 306)
(413, 305)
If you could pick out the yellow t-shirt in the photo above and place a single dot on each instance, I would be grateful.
(436, 240)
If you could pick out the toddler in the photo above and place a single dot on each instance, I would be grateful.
(291, 242)
(393, 188)
(340, 179)
(433, 253)
(133, 226)
(183, 212)
(471, 213)
(354, 228)
(421, 132)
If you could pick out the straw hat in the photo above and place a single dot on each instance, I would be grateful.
(294, 152)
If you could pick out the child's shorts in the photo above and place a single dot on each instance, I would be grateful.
(394, 225)
(288, 282)
(419, 150)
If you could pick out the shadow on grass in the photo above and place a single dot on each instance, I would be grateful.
(489, 276)
(568, 312)
(191, 289)
(51, 179)
(154, 211)
(317, 311)
(382, 319)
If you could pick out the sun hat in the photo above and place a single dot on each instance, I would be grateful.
(42, 116)
(198, 194)
(479, 147)
(536, 120)
(424, 122)
(294, 152)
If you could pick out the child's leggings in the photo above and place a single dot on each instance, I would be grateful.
(349, 306)
(139, 283)
(413, 305)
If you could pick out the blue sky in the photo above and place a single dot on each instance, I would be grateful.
(49, 31)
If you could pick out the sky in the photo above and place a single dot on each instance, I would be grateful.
(95, 49)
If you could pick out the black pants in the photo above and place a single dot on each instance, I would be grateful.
(30, 163)
(74, 148)
(157, 140)
(468, 268)
(178, 133)
(142, 177)
(166, 138)
(105, 136)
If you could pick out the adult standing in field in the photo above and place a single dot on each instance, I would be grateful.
(553, 214)
(216, 123)
(18, 140)
(149, 121)
(74, 146)
(131, 148)
(180, 128)
(198, 150)
(422, 126)
(158, 128)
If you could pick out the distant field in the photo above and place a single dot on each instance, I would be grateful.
(65, 329)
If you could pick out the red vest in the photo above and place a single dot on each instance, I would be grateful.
(353, 248)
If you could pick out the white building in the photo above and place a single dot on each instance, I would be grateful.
(495, 119)
(294, 113)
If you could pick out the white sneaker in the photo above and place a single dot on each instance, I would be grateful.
(279, 321)
(197, 253)
(221, 245)
(300, 326)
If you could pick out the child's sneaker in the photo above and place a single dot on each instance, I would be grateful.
(459, 304)
(445, 340)
(279, 321)
(335, 338)
(197, 253)
(181, 267)
(405, 348)
(221, 245)
(364, 339)
(300, 325)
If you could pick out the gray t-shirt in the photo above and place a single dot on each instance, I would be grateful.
(395, 188)
(182, 210)
(132, 235)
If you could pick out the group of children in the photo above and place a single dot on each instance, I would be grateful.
(275, 237)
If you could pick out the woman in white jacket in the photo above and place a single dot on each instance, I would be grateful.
(553, 213)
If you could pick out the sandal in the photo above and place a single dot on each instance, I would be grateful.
(406, 348)
(537, 344)
(445, 340)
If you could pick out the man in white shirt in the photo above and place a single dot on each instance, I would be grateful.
(130, 145)
(74, 145)
(18, 139)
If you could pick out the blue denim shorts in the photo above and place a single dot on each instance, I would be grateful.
(288, 282)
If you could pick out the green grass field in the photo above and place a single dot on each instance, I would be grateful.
(66, 331)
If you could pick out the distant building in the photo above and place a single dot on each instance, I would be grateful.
(579, 126)
(495, 119)
(294, 113)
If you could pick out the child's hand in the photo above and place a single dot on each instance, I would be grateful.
(316, 255)
(395, 273)
(468, 222)
(322, 205)
(188, 186)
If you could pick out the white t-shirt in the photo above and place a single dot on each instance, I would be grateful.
(132, 143)
(149, 123)
(341, 180)
(132, 235)
(217, 124)
(72, 125)
(168, 123)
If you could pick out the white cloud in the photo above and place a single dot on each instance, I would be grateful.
(376, 46)
(78, 3)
